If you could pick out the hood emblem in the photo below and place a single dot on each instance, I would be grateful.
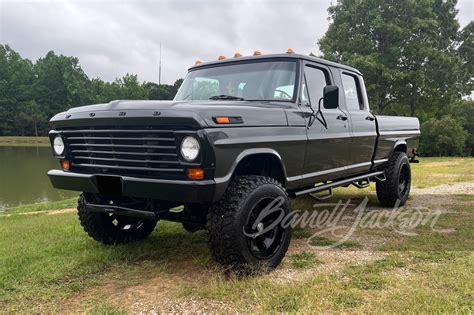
(91, 114)
(156, 113)
(122, 113)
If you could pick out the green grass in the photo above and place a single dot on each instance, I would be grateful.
(46, 258)
(47, 263)
(25, 141)
(325, 242)
(303, 260)
(43, 206)
(436, 171)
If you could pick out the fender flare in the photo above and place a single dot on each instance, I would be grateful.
(223, 182)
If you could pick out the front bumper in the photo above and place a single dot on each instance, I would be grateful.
(172, 190)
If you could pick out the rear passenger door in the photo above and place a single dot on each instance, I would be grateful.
(327, 148)
(363, 128)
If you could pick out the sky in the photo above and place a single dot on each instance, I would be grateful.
(112, 38)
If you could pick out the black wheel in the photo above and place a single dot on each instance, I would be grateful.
(113, 229)
(245, 227)
(396, 188)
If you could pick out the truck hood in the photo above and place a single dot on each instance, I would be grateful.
(196, 114)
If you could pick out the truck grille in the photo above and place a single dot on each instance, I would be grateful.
(140, 151)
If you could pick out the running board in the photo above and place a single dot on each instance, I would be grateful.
(337, 183)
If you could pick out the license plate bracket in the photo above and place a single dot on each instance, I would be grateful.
(109, 185)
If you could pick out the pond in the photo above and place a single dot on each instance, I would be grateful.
(23, 177)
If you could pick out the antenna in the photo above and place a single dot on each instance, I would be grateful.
(159, 69)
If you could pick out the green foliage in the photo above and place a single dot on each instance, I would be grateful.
(443, 137)
(412, 53)
(31, 93)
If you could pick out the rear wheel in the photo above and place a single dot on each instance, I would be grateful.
(245, 230)
(113, 229)
(396, 188)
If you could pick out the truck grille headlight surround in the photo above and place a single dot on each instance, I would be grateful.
(190, 148)
(58, 145)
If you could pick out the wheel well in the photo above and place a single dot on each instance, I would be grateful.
(402, 147)
(264, 164)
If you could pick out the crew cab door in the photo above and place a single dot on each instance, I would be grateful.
(362, 123)
(327, 148)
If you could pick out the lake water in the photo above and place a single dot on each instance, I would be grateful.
(23, 177)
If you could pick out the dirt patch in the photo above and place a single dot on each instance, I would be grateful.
(462, 188)
(445, 163)
(48, 212)
(191, 305)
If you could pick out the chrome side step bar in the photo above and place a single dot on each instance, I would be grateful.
(379, 175)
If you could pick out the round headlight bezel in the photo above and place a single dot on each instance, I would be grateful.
(58, 145)
(190, 148)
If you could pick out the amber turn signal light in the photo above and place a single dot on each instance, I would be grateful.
(198, 62)
(222, 120)
(237, 55)
(257, 53)
(65, 165)
(195, 173)
(290, 51)
(221, 58)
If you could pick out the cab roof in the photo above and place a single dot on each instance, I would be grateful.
(274, 56)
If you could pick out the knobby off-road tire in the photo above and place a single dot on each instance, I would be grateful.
(110, 229)
(396, 188)
(237, 212)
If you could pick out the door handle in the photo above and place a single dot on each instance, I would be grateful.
(370, 118)
(341, 117)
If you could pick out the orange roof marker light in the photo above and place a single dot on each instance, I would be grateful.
(257, 53)
(237, 55)
(290, 51)
(221, 58)
(198, 62)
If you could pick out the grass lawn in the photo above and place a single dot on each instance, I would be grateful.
(48, 263)
(25, 141)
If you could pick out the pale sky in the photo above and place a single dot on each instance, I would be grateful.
(111, 38)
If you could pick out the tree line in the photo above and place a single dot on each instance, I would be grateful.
(415, 58)
(31, 93)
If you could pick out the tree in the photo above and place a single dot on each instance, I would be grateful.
(16, 79)
(60, 84)
(443, 137)
(406, 49)
(131, 88)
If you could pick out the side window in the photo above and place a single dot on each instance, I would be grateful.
(316, 80)
(352, 92)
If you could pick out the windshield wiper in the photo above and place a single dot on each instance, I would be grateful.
(226, 97)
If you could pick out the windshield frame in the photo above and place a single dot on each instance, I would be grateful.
(293, 100)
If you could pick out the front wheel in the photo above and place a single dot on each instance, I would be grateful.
(113, 229)
(246, 230)
(396, 188)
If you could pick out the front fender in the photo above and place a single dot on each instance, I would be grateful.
(223, 182)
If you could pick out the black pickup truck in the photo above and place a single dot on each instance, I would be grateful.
(240, 134)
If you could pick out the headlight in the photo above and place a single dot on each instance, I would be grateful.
(58, 145)
(190, 148)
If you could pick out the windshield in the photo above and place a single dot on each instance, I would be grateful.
(268, 80)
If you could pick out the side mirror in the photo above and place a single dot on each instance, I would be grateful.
(331, 96)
